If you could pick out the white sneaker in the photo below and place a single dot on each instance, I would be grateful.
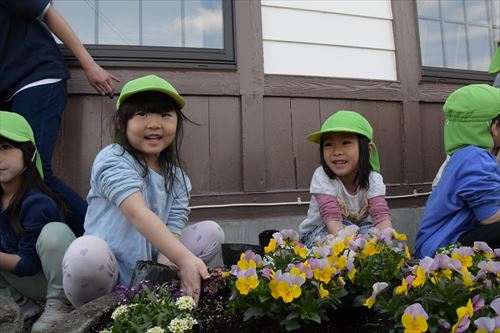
(29, 308)
(55, 310)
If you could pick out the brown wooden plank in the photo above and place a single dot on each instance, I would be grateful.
(187, 82)
(305, 120)
(195, 149)
(433, 155)
(304, 86)
(436, 92)
(327, 107)
(251, 68)
(279, 161)
(82, 140)
(225, 145)
(409, 69)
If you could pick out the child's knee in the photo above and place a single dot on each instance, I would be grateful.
(54, 236)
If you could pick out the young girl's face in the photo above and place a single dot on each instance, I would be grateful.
(11, 164)
(151, 133)
(341, 154)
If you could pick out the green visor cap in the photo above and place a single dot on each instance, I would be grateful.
(15, 128)
(468, 114)
(149, 83)
(352, 122)
(495, 63)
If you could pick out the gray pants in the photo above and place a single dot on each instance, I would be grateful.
(51, 245)
(90, 268)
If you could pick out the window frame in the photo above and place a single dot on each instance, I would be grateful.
(163, 56)
(452, 75)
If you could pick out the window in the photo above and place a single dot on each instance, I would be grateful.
(457, 37)
(192, 33)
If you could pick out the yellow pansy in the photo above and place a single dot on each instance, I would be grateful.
(403, 288)
(301, 251)
(323, 292)
(370, 249)
(325, 274)
(246, 264)
(271, 247)
(341, 262)
(369, 302)
(465, 260)
(287, 292)
(414, 325)
(244, 285)
(351, 274)
(420, 278)
(338, 247)
(398, 236)
(296, 271)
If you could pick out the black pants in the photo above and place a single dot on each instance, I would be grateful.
(489, 233)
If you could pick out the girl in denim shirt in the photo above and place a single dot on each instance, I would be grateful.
(138, 201)
(32, 238)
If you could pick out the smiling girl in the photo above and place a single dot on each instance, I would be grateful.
(138, 200)
(347, 188)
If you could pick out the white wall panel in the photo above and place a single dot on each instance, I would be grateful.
(326, 28)
(330, 38)
(329, 61)
(370, 8)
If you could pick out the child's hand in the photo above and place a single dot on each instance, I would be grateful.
(334, 227)
(191, 270)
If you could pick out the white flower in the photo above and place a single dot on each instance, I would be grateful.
(190, 321)
(155, 329)
(119, 311)
(178, 325)
(105, 331)
(185, 303)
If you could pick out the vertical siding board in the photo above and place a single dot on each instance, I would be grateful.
(433, 154)
(385, 119)
(82, 140)
(280, 166)
(327, 107)
(225, 145)
(305, 120)
(195, 149)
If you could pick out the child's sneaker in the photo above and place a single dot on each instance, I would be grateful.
(29, 308)
(55, 310)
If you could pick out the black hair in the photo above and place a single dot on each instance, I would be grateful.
(152, 102)
(31, 179)
(364, 168)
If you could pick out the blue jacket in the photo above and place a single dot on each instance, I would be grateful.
(37, 209)
(468, 192)
(28, 52)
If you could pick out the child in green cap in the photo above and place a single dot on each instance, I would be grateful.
(138, 200)
(465, 205)
(32, 241)
(347, 189)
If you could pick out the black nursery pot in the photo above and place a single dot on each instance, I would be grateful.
(231, 252)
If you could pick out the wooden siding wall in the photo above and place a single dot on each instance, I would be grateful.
(250, 145)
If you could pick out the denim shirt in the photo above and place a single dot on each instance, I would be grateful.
(115, 176)
(37, 209)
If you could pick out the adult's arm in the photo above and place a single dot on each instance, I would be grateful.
(101, 80)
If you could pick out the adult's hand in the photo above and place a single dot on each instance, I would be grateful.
(102, 81)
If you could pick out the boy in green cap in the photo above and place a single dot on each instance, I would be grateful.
(465, 205)
(347, 189)
(32, 241)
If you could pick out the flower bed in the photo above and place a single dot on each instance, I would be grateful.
(347, 283)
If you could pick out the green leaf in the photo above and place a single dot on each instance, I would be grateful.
(252, 312)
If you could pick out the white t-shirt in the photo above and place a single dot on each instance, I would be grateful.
(322, 184)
